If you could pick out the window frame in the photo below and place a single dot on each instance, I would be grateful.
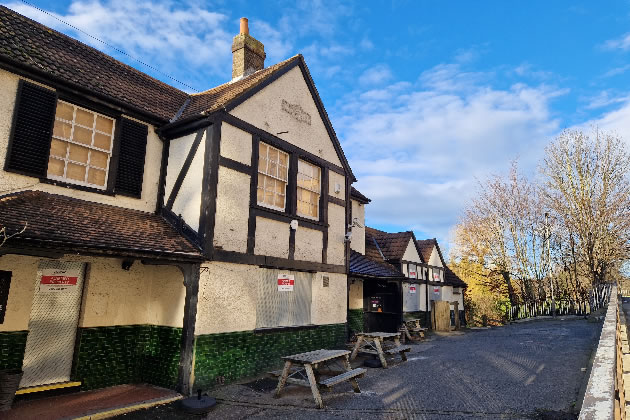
(290, 208)
(319, 193)
(276, 178)
(110, 153)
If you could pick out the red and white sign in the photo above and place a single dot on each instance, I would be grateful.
(286, 282)
(412, 274)
(57, 280)
(436, 290)
(412, 289)
(436, 277)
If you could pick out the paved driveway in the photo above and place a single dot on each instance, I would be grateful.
(521, 371)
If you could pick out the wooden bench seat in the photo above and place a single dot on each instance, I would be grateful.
(399, 349)
(354, 373)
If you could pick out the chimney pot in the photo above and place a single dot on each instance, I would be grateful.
(244, 26)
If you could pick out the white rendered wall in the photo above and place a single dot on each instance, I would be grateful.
(265, 111)
(358, 233)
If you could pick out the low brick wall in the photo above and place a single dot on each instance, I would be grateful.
(12, 345)
(227, 357)
(107, 356)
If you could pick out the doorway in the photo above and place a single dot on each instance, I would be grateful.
(53, 321)
(382, 305)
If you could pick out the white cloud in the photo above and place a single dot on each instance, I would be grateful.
(157, 32)
(418, 148)
(622, 43)
(617, 71)
(376, 75)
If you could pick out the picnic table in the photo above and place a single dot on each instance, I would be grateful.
(374, 343)
(413, 330)
(312, 365)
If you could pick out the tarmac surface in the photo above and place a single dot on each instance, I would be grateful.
(529, 370)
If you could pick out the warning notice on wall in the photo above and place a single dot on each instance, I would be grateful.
(412, 289)
(58, 280)
(286, 282)
(436, 290)
(412, 274)
(436, 277)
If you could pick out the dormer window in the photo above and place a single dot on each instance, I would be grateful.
(81, 146)
(273, 172)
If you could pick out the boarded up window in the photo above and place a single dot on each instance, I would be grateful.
(281, 304)
(411, 297)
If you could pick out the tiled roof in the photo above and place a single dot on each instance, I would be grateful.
(392, 245)
(426, 248)
(453, 279)
(26, 43)
(356, 194)
(362, 265)
(214, 99)
(65, 222)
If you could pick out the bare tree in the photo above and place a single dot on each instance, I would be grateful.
(503, 226)
(5, 236)
(586, 187)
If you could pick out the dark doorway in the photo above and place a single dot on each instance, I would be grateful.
(382, 305)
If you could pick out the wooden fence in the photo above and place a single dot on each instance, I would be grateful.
(598, 298)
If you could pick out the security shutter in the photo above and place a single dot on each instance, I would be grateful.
(276, 308)
(133, 146)
(33, 121)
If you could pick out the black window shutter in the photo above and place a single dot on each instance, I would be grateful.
(132, 151)
(33, 119)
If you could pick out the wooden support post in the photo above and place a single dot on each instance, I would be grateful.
(353, 381)
(283, 378)
(185, 374)
(314, 388)
(356, 348)
(379, 349)
(456, 310)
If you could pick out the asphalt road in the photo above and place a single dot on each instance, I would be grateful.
(522, 371)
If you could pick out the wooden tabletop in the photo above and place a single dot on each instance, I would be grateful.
(379, 334)
(316, 356)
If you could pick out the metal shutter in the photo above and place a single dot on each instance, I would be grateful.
(281, 309)
(133, 146)
(33, 120)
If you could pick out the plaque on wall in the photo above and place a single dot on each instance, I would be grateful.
(5, 283)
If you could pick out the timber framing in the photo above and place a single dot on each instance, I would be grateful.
(266, 261)
(209, 183)
(184, 170)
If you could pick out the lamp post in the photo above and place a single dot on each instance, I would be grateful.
(548, 239)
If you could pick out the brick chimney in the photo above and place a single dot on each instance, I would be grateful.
(248, 54)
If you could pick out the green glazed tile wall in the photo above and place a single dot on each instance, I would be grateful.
(355, 321)
(224, 358)
(12, 345)
(116, 355)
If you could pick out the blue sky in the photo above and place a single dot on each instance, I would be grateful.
(426, 97)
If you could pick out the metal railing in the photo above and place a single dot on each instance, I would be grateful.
(599, 297)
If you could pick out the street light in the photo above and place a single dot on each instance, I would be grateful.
(548, 240)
